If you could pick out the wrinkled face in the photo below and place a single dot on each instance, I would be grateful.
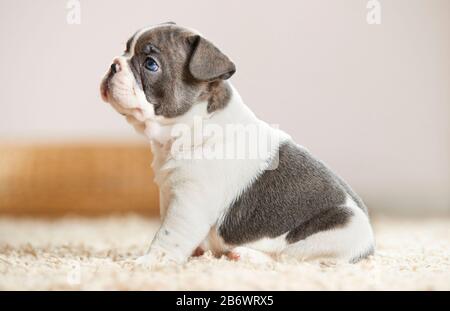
(165, 70)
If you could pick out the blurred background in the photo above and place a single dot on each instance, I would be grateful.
(372, 101)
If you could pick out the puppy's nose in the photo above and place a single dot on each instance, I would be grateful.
(114, 68)
(117, 65)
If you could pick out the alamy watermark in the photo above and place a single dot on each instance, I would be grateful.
(73, 16)
(208, 141)
(73, 277)
(374, 12)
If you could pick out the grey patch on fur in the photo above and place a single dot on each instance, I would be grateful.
(190, 69)
(218, 95)
(128, 45)
(354, 196)
(300, 197)
(367, 253)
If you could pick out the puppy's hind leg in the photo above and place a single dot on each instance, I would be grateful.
(243, 253)
(351, 242)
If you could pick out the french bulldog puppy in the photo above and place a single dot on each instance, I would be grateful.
(172, 85)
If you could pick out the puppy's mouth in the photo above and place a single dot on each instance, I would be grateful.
(118, 92)
(104, 88)
(127, 108)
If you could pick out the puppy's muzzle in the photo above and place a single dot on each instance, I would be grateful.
(115, 68)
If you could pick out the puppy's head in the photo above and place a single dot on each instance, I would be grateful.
(164, 71)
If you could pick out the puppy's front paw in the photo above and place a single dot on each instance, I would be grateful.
(155, 259)
(147, 260)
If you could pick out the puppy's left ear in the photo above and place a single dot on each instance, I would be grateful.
(207, 62)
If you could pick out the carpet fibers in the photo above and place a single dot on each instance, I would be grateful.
(97, 254)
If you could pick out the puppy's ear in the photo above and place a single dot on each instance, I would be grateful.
(207, 62)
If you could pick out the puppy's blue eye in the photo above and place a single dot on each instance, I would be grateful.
(150, 64)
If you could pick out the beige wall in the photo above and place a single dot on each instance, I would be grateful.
(373, 101)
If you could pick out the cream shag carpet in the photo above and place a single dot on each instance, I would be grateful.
(97, 254)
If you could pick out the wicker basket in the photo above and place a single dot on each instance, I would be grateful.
(89, 179)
